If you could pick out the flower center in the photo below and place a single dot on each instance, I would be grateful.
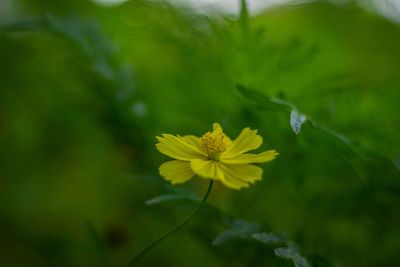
(215, 142)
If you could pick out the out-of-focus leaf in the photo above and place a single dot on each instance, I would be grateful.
(296, 120)
(176, 193)
(241, 229)
(263, 100)
(253, 95)
(296, 54)
(396, 162)
(282, 103)
(285, 253)
(89, 37)
(270, 237)
(244, 15)
(352, 156)
(334, 134)
(98, 243)
(300, 261)
(170, 197)
(25, 25)
(292, 252)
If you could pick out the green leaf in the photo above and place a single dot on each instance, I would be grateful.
(270, 238)
(264, 100)
(244, 15)
(98, 243)
(285, 253)
(282, 103)
(170, 197)
(253, 95)
(300, 261)
(292, 252)
(24, 25)
(240, 229)
(341, 138)
(396, 162)
(296, 120)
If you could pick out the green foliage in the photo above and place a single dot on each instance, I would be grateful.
(240, 228)
(292, 252)
(84, 90)
(270, 238)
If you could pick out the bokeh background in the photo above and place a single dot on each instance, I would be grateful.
(85, 86)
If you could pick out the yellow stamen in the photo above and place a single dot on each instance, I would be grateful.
(215, 142)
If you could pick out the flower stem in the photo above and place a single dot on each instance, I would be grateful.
(173, 230)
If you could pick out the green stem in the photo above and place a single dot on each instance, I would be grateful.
(176, 228)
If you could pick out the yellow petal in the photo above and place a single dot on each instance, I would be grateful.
(240, 175)
(178, 148)
(246, 141)
(194, 141)
(206, 169)
(211, 169)
(250, 158)
(176, 171)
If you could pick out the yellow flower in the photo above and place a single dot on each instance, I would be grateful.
(213, 156)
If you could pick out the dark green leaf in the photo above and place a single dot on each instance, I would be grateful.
(270, 237)
(300, 261)
(396, 162)
(170, 197)
(282, 103)
(253, 95)
(244, 15)
(292, 252)
(241, 229)
(285, 253)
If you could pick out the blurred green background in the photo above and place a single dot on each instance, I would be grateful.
(85, 88)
